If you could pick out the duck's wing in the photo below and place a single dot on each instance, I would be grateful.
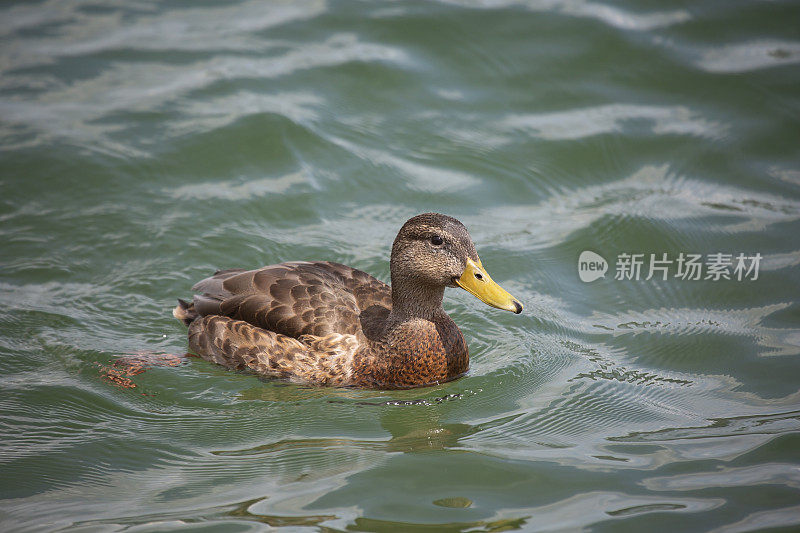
(298, 298)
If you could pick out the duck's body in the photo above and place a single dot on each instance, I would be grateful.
(323, 323)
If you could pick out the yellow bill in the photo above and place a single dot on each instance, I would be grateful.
(476, 281)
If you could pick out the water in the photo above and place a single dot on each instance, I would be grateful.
(144, 146)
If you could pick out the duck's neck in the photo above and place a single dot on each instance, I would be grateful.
(410, 301)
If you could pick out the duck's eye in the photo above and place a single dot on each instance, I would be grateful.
(437, 240)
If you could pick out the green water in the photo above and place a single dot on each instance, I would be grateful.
(145, 146)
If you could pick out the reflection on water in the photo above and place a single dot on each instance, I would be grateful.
(146, 145)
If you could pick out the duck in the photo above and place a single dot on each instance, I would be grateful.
(321, 323)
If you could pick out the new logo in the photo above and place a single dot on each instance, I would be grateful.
(591, 266)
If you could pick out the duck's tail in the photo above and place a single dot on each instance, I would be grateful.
(185, 312)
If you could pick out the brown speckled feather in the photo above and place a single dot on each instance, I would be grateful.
(419, 352)
(242, 346)
(299, 320)
(298, 298)
(318, 323)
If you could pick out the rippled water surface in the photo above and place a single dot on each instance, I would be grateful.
(146, 144)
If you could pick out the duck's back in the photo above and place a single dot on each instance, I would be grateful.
(293, 299)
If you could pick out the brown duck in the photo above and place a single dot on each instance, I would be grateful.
(322, 323)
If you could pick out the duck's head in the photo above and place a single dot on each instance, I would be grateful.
(435, 251)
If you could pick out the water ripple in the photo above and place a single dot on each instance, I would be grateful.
(654, 192)
(613, 16)
(595, 507)
(615, 118)
(237, 191)
(786, 517)
(79, 111)
(80, 32)
(742, 322)
(745, 57)
(762, 474)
